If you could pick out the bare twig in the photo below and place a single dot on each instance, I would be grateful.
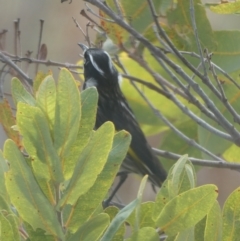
(171, 126)
(158, 53)
(44, 62)
(118, 7)
(7, 60)
(215, 66)
(146, 83)
(96, 15)
(199, 162)
(192, 14)
(39, 42)
(16, 29)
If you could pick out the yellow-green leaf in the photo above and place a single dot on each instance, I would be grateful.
(187, 208)
(231, 217)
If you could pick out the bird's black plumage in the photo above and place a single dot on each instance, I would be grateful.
(100, 72)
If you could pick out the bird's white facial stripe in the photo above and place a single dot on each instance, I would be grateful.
(95, 65)
(110, 65)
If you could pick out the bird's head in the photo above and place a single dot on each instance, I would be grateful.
(99, 70)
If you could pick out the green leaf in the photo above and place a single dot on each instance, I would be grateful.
(176, 172)
(26, 195)
(6, 231)
(186, 235)
(46, 99)
(90, 164)
(213, 229)
(186, 209)
(146, 234)
(89, 98)
(13, 220)
(7, 120)
(5, 204)
(119, 219)
(181, 177)
(19, 93)
(3, 169)
(37, 140)
(145, 220)
(112, 211)
(88, 203)
(199, 229)
(231, 217)
(226, 8)
(67, 114)
(122, 216)
(92, 229)
(38, 234)
(232, 154)
(38, 80)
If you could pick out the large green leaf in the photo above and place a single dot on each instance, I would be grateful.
(181, 177)
(112, 211)
(213, 229)
(231, 217)
(225, 7)
(3, 169)
(46, 99)
(119, 220)
(186, 235)
(92, 229)
(90, 164)
(67, 113)
(88, 203)
(186, 209)
(25, 194)
(37, 141)
(6, 230)
(124, 213)
(145, 220)
(146, 234)
(89, 98)
(19, 93)
(14, 222)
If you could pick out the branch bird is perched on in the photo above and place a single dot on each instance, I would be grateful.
(100, 72)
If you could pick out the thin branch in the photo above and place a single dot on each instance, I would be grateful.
(192, 14)
(148, 84)
(39, 42)
(178, 132)
(16, 29)
(215, 66)
(8, 61)
(118, 7)
(44, 62)
(199, 162)
(168, 123)
(98, 16)
(205, 78)
(83, 33)
(158, 53)
(189, 113)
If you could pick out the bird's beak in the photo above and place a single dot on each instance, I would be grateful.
(83, 47)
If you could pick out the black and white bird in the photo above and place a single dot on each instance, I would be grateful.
(100, 72)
